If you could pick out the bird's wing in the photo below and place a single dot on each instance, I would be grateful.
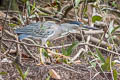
(43, 33)
(35, 28)
(39, 30)
(28, 29)
(46, 30)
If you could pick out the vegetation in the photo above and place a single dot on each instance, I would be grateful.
(87, 54)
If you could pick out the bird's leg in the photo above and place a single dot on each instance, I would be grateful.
(42, 58)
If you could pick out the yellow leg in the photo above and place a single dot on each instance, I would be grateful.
(41, 56)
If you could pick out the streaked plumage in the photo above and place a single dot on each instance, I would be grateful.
(48, 30)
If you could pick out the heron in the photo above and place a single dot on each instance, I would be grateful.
(49, 30)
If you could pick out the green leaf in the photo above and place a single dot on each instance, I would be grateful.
(69, 49)
(104, 67)
(49, 43)
(20, 71)
(12, 25)
(26, 73)
(114, 4)
(21, 21)
(23, 75)
(3, 73)
(96, 18)
(24, 1)
(34, 5)
(93, 64)
(115, 74)
(77, 3)
(115, 29)
(65, 61)
(64, 52)
(100, 56)
(45, 52)
(48, 78)
(107, 64)
(111, 28)
(28, 8)
(90, 53)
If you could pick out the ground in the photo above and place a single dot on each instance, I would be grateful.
(82, 70)
(66, 72)
(73, 71)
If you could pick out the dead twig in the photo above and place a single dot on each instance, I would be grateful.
(57, 47)
(10, 2)
(29, 53)
(78, 54)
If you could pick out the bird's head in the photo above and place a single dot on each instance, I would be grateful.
(67, 27)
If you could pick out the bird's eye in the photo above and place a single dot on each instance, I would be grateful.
(48, 32)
